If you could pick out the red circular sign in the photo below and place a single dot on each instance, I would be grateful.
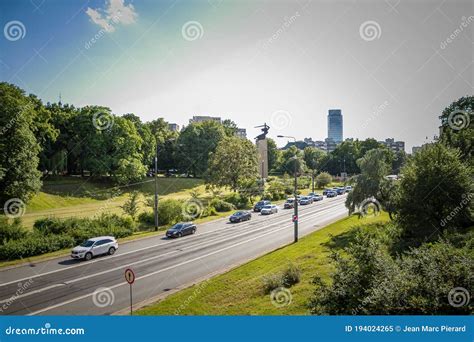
(129, 276)
(295, 218)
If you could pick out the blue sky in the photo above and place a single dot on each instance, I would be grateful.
(391, 66)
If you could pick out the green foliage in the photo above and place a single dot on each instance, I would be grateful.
(220, 205)
(19, 175)
(233, 162)
(369, 281)
(323, 179)
(34, 244)
(130, 207)
(170, 211)
(313, 157)
(240, 201)
(290, 276)
(435, 193)
(11, 231)
(374, 167)
(288, 161)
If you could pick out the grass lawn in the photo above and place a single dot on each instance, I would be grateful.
(240, 291)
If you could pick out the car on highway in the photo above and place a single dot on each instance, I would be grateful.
(269, 209)
(325, 191)
(289, 204)
(316, 197)
(260, 204)
(95, 246)
(240, 216)
(331, 193)
(181, 229)
(340, 191)
(306, 200)
(348, 188)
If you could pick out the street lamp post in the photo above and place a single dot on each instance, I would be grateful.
(155, 205)
(295, 216)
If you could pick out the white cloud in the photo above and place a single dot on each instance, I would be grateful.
(114, 13)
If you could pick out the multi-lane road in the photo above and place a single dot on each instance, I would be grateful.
(68, 287)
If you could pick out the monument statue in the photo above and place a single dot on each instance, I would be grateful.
(264, 130)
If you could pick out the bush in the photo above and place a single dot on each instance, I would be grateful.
(238, 200)
(34, 244)
(170, 211)
(372, 282)
(221, 206)
(11, 231)
(289, 277)
(323, 179)
(209, 211)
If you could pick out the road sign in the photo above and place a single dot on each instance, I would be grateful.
(295, 218)
(129, 276)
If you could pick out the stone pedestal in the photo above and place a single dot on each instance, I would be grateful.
(262, 148)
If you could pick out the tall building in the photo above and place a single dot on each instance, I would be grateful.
(173, 127)
(335, 125)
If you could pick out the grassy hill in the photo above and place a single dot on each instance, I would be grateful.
(240, 291)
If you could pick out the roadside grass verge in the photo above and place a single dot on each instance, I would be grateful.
(240, 290)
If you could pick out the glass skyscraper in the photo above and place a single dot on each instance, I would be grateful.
(335, 125)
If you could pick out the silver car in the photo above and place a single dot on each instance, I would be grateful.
(269, 209)
(95, 246)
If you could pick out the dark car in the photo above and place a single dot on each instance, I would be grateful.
(316, 197)
(325, 191)
(340, 191)
(240, 216)
(289, 204)
(306, 200)
(331, 193)
(181, 229)
(259, 205)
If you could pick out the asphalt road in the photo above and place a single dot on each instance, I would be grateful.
(64, 286)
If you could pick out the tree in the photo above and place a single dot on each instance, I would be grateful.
(233, 162)
(274, 155)
(435, 193)
(399, 160)
(195, 143)
(323, 179)
(130, 207)
(374, 167)
(457, 127)
(288, 161)
(19, 175)
(230, 127)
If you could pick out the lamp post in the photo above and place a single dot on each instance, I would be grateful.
(155, 205)
(295, 216)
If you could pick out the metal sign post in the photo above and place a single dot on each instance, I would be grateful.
(130, 278)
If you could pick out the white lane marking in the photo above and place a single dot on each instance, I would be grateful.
(189, 247)
(131, 252)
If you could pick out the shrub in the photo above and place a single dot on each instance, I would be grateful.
(291, 275)
(221, 206)
(209, 211)
(271, 282)
(11, 231)
(323, 179)
(238, 200)
(170, 211)
(34, 244)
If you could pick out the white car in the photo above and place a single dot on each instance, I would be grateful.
(269, 209)
(95, 246)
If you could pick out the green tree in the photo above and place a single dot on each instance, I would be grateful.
(374, 167)
(274, 155)
(131, 205)
(19, 175)
(233, 162)
(457, 127)
(323, 179)
(230, 127)
(195, 143)
(435, 193)
(291, 156)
